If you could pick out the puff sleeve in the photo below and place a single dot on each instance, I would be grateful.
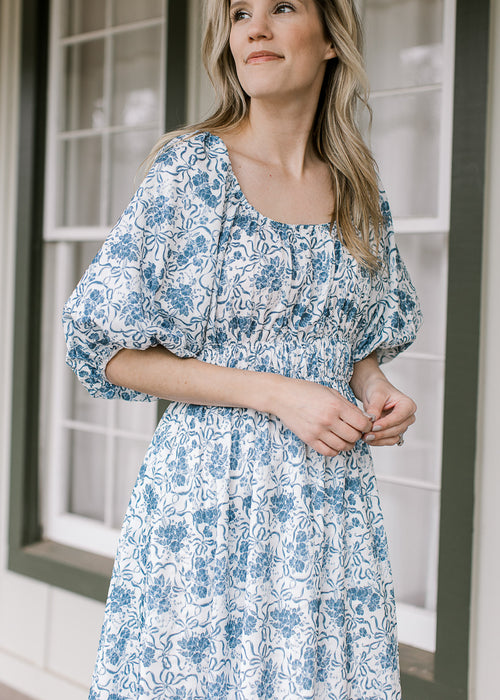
(151, 283)
(392, 313)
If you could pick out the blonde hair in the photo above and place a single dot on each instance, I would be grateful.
(335, 134)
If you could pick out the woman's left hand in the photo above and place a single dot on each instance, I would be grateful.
(393, 412)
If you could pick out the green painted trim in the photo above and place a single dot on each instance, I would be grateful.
(462, 361)
(65, 567)
(161, 408)
(462, 343)
(176, 92)
(24, 515)
(177, 58)
(416, 662)
(414, 688)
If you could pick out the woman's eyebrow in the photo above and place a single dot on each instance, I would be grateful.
(237, 3)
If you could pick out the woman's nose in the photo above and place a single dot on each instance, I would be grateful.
(259, 26)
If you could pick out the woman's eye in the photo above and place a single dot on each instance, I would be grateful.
(281, 8)
(284, 7)
(237, 15)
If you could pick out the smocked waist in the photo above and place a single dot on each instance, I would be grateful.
(324, 360)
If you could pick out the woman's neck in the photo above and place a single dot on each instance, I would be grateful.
(279, 137)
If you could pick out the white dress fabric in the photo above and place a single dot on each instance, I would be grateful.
(249, 566)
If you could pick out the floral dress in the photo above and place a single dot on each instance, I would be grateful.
(249, 565)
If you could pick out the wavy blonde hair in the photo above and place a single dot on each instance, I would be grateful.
(335, 134)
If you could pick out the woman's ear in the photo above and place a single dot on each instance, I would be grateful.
(331, 52)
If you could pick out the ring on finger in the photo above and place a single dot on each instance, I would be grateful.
(401, 440)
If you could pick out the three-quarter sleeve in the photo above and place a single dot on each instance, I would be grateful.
(151, 282)
(392, 313)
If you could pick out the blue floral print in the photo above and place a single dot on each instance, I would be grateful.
(249, 566)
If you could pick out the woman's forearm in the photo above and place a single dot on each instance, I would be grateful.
(317, 414)
(158, 372)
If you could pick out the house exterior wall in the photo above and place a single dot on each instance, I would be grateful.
(485, 621)
(48, 637)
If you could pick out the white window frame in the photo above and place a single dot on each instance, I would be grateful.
(58, 524)
(416, 625)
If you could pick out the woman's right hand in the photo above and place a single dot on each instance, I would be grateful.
(320, 416)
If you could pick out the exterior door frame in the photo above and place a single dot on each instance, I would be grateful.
(445, 674)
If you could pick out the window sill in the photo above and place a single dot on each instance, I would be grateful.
(66, 567)
(416, 662)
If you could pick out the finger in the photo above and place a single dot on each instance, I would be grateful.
(388, 437)
(388, 442)
(392, 430)
(337, 442)
(356, 419)
(376, 406)
(347, 433)
(324, 449)
(397, 416)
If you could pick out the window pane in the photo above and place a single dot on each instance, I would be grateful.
(420, 458)
(405, 141)
(84, 65)
(412, 519)
(136, 416)
(82, 255)
(80, 198)
(87, 474)
(403, 42)
(128, 151)
(427, 260)
(129, 456)
(85, 16)
(87, 409)
(125, 11)
(136, 75)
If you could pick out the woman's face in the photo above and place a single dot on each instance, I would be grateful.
(279, 48)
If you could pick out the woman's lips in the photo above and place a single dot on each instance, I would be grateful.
(262, 57)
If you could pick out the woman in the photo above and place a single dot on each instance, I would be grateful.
(253, 557)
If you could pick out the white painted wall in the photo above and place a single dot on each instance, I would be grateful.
(485, 613)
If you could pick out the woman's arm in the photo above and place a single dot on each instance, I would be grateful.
(393, 411)
(318, 415)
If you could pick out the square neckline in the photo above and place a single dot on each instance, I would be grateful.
(236, 184)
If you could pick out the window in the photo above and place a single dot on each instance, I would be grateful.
(410, 62)
(107, 96)
(117, 74)
(409, 47)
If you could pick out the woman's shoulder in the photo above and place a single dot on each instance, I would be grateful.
(191, 169)
(196, 151)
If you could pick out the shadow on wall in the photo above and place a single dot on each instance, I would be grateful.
(9, 694)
